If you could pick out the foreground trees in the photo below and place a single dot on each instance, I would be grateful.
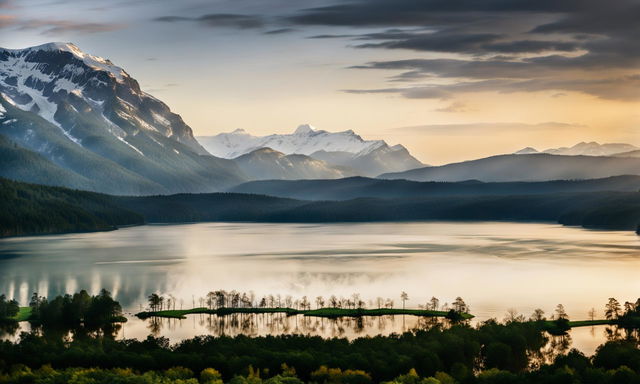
(78, 311)
(488, 353)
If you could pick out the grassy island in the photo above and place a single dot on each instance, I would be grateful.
(321, 312)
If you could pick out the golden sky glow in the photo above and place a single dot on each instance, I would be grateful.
(470, 82)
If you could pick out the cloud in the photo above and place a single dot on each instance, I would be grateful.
(279, 31)
(623, 88)
(587, 46)
(7, 21)
(455, 107)
(476, 128)
(219, 20)
(55, 27)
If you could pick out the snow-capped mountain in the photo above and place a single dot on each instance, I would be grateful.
(584, 149)
(87, 116)
(346, 149)
(305, 140)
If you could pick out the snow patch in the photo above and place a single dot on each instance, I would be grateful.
(129, 144)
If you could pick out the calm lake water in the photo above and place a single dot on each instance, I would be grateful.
(493, 266)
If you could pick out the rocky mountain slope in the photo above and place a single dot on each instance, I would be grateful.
(88, 120)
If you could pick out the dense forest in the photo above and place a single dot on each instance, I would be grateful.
(61, 349)
(513, 352)
(33, 209)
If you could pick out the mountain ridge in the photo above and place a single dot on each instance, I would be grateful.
(73, 108)
(338, 149)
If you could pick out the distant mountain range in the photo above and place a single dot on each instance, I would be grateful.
(585, 149)
(71, 119)
(78, 120)
(525, 167)
(341, 149)
(362, 187)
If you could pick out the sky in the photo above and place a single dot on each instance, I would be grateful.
(450, 79)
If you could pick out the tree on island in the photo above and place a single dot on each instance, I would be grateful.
(538, 315)
(155, 301)
(404, 297)
(561, 313)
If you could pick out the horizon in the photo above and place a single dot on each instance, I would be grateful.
(449, 87)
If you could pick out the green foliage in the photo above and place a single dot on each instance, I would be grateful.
(32, 209)
(9, 309)
(80, 311)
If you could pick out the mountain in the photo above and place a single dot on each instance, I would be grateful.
(379, 160)
(361, 187)
(534, 167)
(265, 163)
(88, 119)
(635, 153)
(345, 149)
(584, 149)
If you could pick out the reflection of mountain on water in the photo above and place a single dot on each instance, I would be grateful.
(280, 324)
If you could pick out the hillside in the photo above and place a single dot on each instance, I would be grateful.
(34, 209)
(525, 167)
(355, 187)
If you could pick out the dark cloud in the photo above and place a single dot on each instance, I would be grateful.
(588, 46)
(220, 20)
(279, 31)
(613, 88)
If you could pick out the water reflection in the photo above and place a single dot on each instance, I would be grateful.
(493, 266)
(277, 324)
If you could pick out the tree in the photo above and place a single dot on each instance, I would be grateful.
(592, 314)
(404, 297)
(459, 305)
(434, 304)
(319, 302)
(154, 301)
(538, 315)
(8, 308)
(211, 299)
(561, 314)
(612, 309)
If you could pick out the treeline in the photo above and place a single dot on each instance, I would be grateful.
(79, 311)
(219, 299)
(32, 209)
(488, 353)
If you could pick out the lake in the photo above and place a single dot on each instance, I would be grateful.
(493, 266)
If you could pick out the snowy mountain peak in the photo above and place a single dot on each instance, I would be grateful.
(304, 129)
(86, 96)
(305, 140)
(94, 62)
